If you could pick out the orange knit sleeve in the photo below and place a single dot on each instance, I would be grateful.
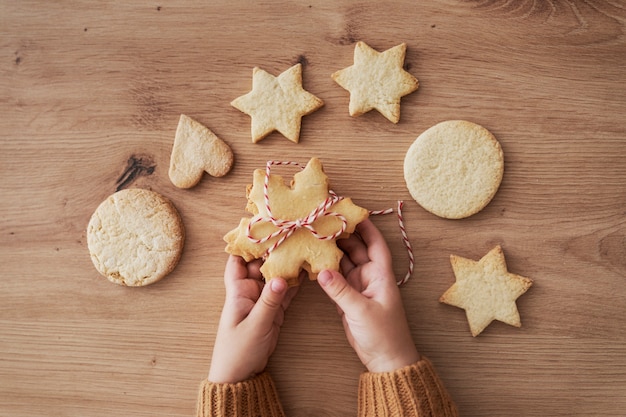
(256, 397)
(413, 391)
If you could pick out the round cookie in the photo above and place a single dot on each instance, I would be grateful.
(135, 237)
(454, 168)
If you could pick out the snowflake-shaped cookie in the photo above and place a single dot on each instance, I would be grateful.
(308, 218)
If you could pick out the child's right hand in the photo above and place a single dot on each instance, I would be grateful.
(369, 302)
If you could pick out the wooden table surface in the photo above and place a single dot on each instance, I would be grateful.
(87, 89)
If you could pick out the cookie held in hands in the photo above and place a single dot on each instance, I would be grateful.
(486, 290)
(295, 226)
(197, 150)
(377, 80)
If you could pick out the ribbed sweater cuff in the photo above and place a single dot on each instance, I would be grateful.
(256, 397)
(414, 390)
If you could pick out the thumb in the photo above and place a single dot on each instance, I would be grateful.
(345, 296)
(270, 301)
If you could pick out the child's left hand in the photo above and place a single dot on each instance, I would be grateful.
(251, 319)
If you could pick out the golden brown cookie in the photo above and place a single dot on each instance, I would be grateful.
(454, 168)
(135, 237)
(486, 290)
(277, 103)
(308, 240)
(197, 150)
(377, 80)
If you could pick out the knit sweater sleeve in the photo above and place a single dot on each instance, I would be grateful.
(255, 397)
(413, 391)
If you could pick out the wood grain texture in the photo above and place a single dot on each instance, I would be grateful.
(86, 88)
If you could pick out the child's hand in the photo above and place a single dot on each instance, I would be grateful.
(369, 302)
(248, 331)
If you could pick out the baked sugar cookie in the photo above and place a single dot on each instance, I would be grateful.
(486, 290)
(197, 150)
(277, 103)
(294, 227)
(454, 168)
(377, 80)
(135, 237)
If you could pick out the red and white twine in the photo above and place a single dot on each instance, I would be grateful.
(287, 227)
(407, 244)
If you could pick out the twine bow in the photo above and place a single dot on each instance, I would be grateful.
(286, 228)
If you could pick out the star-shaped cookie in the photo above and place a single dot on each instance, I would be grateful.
(486, 290)
(377, 80)
(277, 103)
(302, 249)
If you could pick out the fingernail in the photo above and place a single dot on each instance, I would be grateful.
(278, 285)
(324, 277)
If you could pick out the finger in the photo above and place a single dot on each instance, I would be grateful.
(235, 270)
(357, 279)
(346, 265)
(254, 269)
(335, 285)
(355, 248)
(373, 239)
(270, 303)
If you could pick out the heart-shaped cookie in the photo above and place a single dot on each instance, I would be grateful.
(197, 150)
